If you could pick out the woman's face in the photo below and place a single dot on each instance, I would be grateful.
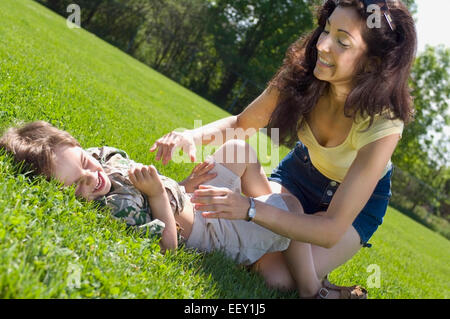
(340, 47)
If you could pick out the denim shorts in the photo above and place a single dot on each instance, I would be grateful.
(315, 191)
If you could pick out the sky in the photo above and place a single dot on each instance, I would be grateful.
(432, 22)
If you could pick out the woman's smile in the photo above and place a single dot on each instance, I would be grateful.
(323, 62)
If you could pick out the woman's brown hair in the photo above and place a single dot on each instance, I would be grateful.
(390, 52)
(34, 145)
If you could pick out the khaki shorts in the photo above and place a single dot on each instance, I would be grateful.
(244, 242)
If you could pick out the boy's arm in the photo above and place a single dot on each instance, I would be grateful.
(147, 181)
(162, 210)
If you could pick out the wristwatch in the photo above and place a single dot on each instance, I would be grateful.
(252, 210)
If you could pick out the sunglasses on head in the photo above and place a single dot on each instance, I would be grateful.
(383, 8)
(382, 4)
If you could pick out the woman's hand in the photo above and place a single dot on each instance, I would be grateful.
(167, 144)
(218, 202)
(199, 175)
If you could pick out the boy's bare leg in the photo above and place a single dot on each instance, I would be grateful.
(241, 158)
(243, 162)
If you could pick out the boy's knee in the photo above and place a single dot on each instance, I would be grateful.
(236, 145)
(238, 151)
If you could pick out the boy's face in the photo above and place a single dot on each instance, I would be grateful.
(74, 166)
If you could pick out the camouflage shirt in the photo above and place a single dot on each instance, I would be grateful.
(126, 202)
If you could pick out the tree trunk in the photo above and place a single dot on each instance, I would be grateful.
(92, 13)
(245, 54)
(55, 5)
(225, 88)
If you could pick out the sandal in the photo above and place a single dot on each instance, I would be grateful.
(353, 292)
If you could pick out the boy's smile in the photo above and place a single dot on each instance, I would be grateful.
(73, 166)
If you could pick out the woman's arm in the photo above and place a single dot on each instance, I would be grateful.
(242, 126)
(359, 183)
(251, 119)
(324, 230)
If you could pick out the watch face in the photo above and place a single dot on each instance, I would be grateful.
(251, 211)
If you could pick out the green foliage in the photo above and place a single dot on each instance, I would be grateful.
(431, 91)
(420, 151)
(54, 246)
(204, 45)
(102, 97)
(252, 36)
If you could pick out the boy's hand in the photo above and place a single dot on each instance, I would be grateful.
(146, 180)
(199, 175)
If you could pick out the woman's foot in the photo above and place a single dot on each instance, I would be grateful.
(330, 291)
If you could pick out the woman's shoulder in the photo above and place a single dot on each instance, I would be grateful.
(385, 118)
(367, 130)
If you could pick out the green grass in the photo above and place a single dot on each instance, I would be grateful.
(54, 246)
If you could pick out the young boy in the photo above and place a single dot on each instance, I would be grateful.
(154, 203)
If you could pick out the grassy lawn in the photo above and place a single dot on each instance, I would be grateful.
(54, 246)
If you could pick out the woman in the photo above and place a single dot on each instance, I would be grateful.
(343, 93)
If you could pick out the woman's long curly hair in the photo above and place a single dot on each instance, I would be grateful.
(391, 54)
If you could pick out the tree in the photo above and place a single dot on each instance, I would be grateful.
(173, 31)
(116, 21)
(431, 91)
(419, 152)
(254, 32)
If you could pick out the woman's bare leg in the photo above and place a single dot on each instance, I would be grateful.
(275, 270)
(302, 265)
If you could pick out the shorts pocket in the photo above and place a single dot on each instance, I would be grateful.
(380, 196)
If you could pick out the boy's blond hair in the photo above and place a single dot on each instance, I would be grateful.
(34, 144)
